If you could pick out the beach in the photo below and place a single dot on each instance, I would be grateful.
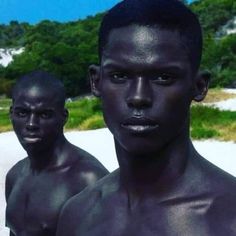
(100, 144)
(219, 153)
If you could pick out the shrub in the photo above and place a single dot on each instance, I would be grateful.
(94, 122)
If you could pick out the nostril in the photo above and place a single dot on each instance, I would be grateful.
(31, 126)
(139, 94)
(32, 123)
(139, 101)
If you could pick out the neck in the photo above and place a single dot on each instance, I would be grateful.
(49, 158)
(154, 171)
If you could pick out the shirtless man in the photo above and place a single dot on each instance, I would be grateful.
(55, 170)
(150, 53)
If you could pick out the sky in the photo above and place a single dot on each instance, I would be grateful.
(33, 11)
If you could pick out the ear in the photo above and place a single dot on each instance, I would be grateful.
(94, 77)
(65, 115)
(201, 85)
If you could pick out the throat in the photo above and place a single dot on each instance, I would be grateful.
(50, 158)
(154, 171)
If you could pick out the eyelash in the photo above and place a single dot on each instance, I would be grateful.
(162, 78)
(23, 114)
(45, 115)
(118, 77)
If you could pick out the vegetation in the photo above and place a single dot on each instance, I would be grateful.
(206, 122)
(63, 49)
(66, 49)
(219, 55)
(85, 114)
(217, 94)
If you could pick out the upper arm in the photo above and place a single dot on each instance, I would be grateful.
(11, 177)
(68, 219)
(9, 184)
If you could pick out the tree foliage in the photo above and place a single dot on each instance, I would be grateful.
(66, 49)
(219, 54)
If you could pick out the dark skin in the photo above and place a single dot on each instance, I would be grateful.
(55, 170)
(163, 186)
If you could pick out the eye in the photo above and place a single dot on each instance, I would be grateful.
(164, 79)
(21, 113)
(46, 114)
(118, 77)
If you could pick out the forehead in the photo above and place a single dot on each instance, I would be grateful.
(146, 43)
(36, 95)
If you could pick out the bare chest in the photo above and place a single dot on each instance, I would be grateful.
(153, 219)
(35, 202)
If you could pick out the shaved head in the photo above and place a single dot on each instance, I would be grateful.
(43, 80)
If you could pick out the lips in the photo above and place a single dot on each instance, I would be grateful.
(140, 125)
(32, 139)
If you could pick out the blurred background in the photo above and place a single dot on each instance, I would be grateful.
(61, 37)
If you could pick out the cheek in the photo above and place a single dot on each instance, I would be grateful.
(51, 127)
(178, 97)
(174, 105)
(113, 100)
(18, 125)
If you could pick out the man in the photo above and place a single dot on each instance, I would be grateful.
(148, 75)
(55, 170)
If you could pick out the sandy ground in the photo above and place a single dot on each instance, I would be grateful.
(229, 104)
(221, 154)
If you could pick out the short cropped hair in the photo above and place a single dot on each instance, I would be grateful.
(165, 14)
(43, 79)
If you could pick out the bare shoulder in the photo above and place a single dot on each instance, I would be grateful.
(13, 173)
(222, 211)
(86, 163)
(218, 186)
(85, 202)
(218, 179)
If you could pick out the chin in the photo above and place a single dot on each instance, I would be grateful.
(141, 146)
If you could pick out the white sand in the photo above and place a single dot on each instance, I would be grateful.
(100, 144)
(229, 104)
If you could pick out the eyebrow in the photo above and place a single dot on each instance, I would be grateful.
(172, 68)
(35, 108)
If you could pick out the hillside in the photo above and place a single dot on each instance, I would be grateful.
(67, 49)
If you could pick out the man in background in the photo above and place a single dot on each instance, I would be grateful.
(55, 170)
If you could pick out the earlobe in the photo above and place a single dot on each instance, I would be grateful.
(94, 76)
(201, 85)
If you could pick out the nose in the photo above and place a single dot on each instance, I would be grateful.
(139, 94)
(32, 122)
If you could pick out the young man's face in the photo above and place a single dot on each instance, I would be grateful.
(146, 85)
(37, 118)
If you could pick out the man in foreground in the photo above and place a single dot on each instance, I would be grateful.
(150, 52)
(55, 170)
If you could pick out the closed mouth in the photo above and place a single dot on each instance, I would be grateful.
(32, 139)
(139, 125)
